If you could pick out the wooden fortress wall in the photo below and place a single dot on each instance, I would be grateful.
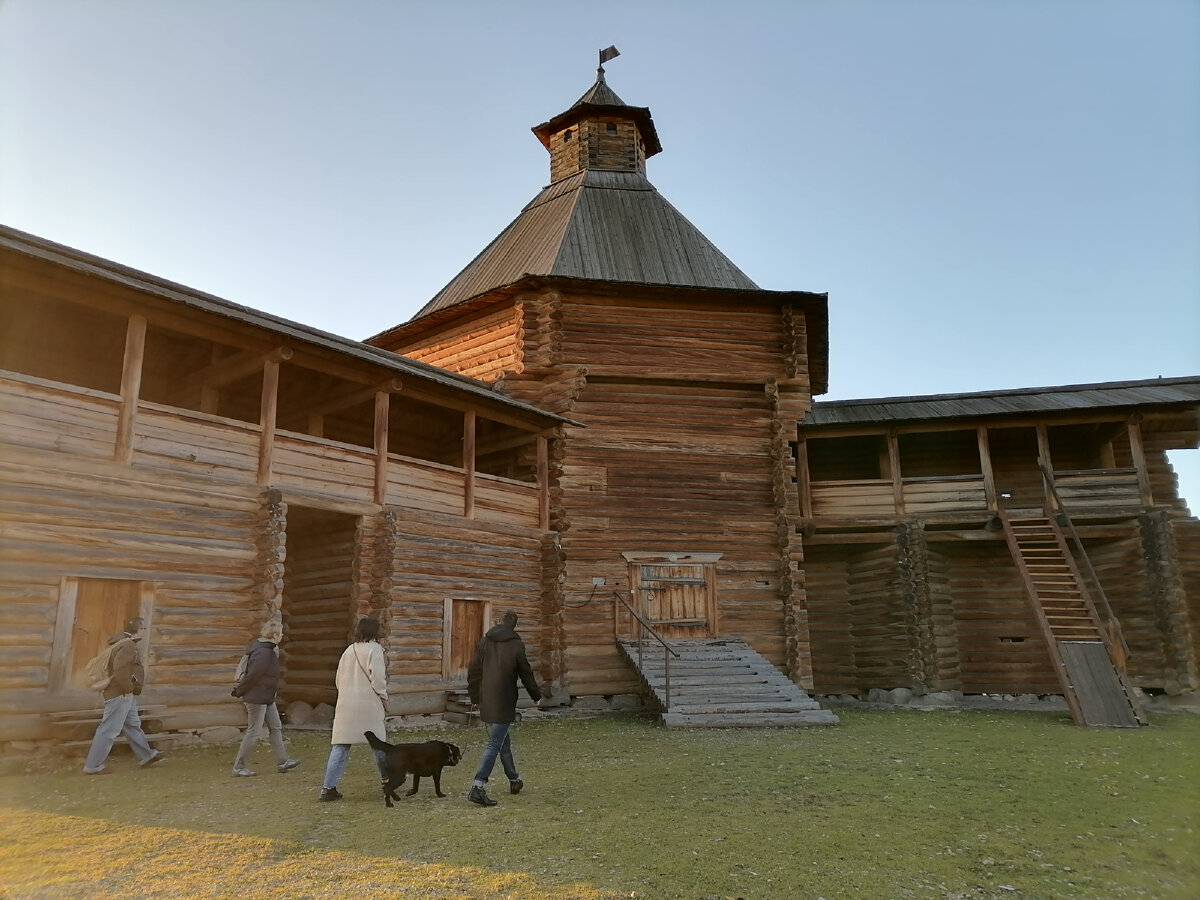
(211, 519)
(951, 614)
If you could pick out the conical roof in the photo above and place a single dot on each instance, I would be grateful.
(603, 220)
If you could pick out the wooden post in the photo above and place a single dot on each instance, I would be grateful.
(1108, 459)
(131, 387)
(468, 464)
(1138, 451)
(383, 402)
(268, 409)
(543, 478)
(985, 467)
(1043, 440)
(210, 395)
(893, 448)
(803, 482)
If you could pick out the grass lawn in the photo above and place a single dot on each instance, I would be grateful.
(885, 805)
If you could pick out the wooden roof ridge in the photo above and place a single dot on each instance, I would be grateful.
(17, 241)
(1173, 391)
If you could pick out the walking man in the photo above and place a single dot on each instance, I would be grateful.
(492, 682)
(120, 715)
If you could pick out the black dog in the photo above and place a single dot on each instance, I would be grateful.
(416, 760)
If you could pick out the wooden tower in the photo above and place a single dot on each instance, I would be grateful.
(676, 490)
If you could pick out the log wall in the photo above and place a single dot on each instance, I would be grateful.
(878, 618)
(63, 517)
(435, 559)
(1000, 645)
(318, 613)
(481, 347)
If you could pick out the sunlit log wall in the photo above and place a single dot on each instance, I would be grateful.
(690, 409)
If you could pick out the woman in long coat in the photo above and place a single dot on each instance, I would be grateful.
(362, 692)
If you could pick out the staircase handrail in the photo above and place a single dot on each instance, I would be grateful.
(667, 649)
(1110, 619)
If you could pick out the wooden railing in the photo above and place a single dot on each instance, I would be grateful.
(645, 628)
(50, 416)
(1082, 492)
(1110, 620)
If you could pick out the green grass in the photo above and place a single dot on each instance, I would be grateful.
(885, 805)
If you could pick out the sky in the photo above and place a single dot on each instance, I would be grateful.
(994, 195)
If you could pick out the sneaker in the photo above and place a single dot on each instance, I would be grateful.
(97, 772)
(243, 772)
(514, 786)
(287, 765)
(157, 757)
(330, 794)
(479, 795)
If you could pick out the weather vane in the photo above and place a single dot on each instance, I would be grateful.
(605, 55)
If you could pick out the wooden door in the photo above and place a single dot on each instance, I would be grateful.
(464, 626)
(102, 607)
(676, 596)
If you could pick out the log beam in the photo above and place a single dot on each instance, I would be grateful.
(131, 387)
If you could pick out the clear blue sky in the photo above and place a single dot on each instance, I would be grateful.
(994, 194)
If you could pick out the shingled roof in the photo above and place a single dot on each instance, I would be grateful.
(1072, 397)
(603, 221)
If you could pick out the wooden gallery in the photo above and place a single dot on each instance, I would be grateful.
(601, 423)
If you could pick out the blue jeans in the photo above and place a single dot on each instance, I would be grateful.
(498, 744)
(120, 718)
(256, 715)
(339, 755)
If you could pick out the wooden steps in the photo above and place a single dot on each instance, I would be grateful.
(1096, 691)
(459, 711)
(722, 683)
(76, 727)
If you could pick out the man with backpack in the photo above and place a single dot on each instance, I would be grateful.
(120, 715)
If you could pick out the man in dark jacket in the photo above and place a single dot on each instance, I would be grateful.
(120, 715)
(492, 682)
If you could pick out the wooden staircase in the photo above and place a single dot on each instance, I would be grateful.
(722, 683)
(1089, 670)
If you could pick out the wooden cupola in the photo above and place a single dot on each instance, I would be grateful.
(600, 131)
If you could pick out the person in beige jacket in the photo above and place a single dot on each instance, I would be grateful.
(362, 693)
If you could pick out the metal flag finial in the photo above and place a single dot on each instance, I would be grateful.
(605, 55)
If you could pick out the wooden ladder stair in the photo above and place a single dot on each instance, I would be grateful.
(1096, 690)
(722, 683)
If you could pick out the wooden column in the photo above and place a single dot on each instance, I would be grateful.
(985, 467)
(468, 464)
(893, 449)
(1138, 451)
(543, 477)
(383, 402)
(267, 412)
(131, 387)
(803, 481)
(1043, 441)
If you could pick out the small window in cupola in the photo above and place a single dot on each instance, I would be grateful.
(611, 128)
(568, 135)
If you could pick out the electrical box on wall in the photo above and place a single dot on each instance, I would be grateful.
(597, 582)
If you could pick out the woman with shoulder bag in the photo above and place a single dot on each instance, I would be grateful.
(362, 693)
